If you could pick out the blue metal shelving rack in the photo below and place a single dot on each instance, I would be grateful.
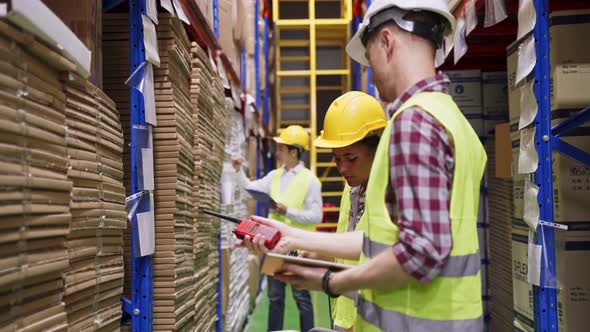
(139, 307)
(547, 140)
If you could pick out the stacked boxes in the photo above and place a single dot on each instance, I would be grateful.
(116, 54)
(174, 174)
(62, 145)
(233, 202)
(571, 181)
(466, 90)
(500, 253)
(34, 209)
(208, 99)
(94, 281)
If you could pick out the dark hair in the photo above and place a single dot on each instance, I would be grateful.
(371, 142)
(298, 149)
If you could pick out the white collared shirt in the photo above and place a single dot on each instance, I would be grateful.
(312, 212)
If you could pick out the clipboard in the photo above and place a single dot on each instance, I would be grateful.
(273, 263)
(262, 197)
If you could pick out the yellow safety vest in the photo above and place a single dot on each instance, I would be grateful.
(293, 196)
(344, 312)
(452, 301)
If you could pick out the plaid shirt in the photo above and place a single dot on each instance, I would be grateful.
(418, 196)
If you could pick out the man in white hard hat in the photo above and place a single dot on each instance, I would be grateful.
(418, 247)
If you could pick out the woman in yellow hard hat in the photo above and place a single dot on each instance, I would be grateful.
(297, 193)
(352, 126)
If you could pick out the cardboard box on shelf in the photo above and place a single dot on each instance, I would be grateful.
(240, 15)
(571, 182)
(573, 278)
(226, 30)
(569, 84)
(503, 149)
(568, 33)
(495, 99)
(85, 20)
(465, 87)
(254, 277)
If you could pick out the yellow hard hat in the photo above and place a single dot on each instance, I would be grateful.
(350, 118)
(295, 136)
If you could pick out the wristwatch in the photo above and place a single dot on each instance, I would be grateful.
(326, 284)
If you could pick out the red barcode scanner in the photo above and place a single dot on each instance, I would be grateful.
(251, 228)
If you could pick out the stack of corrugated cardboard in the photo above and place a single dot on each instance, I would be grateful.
(94, 281)
(116, 54)
(500, 252)
(207, 96)
(201, 242)
(173, 167)
(35, 197)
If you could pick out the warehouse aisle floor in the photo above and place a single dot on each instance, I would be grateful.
(259, 318)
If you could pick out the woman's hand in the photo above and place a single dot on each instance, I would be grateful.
(288, 242)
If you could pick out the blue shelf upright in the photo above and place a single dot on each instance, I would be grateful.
(547, 140)
(139, 307)
(266, 110)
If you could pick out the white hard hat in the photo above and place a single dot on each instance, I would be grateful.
(356, 48)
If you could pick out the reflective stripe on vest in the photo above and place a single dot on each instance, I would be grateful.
(344, 312)
(452, 300)
(456, 266)
(393, 321)
(293, 196)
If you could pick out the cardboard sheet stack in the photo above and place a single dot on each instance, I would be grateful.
(94, 281)
(116, 54)
(35, 196)
(500, 251)
(208, 101)
(173, 166)
(235, 294)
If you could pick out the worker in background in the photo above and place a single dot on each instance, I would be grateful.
(417, 245)
(297, 193)
(353, 143)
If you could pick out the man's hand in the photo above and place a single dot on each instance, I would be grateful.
(280, 208)
(289, 236)
(302, 277)
(237, 163)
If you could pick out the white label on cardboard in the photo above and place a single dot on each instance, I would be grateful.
(528, 159)
(470, 17)
(147, 163)
(528, 104)
(167, 4)
(534, 263)
(527, 57)
(151, 9)
(146, 234)
(460, 43)
(527, 17)
(149, 99)
(180, 12)
(531, 204)
(150, 41)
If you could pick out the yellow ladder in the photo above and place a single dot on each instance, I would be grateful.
(312, 69)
